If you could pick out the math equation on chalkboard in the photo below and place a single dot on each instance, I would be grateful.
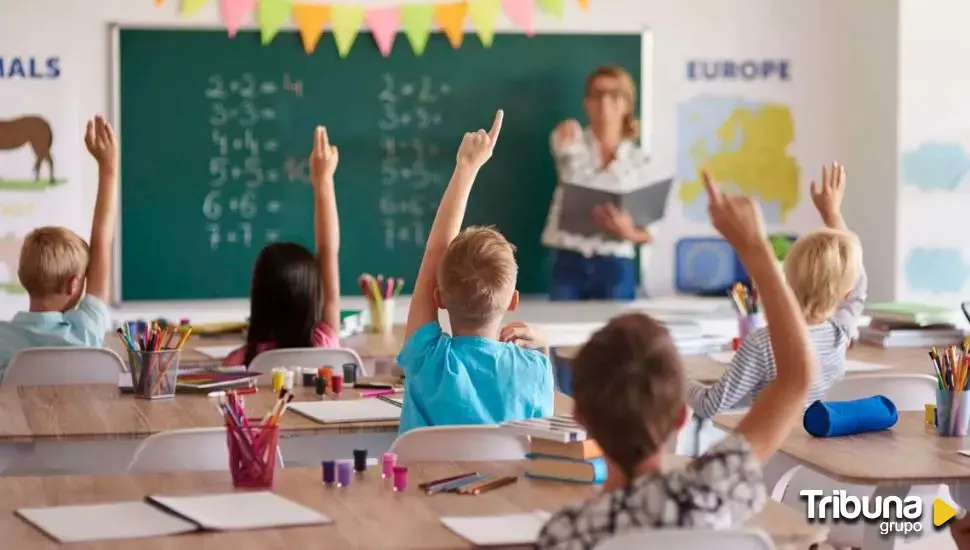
(245, 159)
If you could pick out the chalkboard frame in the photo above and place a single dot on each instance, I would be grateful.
(645, 112)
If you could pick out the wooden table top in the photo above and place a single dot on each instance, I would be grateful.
(98, 412)
(908, 454)
(901, 360)
(367, 514)
(368, 345)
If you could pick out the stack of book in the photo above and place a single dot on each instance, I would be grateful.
(559, 450)
(900, 324)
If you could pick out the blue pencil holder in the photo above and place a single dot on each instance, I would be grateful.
(952, 413)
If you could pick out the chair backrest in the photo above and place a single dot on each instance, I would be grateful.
(307, 357)
(459, 443)
(909, 392)
(60, 366)
(181, 450)
(688, 539)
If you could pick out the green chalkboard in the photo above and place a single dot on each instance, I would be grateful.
(215, 134)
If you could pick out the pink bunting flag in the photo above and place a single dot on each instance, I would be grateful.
(236, 13)
(383, 22)
(520, 13)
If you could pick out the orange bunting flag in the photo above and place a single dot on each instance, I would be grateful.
(159, 2)
(451, 18)
(584, 4)
(310, 19)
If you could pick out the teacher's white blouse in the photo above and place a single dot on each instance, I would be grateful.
(580, 162)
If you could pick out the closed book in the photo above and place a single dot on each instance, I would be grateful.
(556, 428)
(908, 312)
(575, 450)
(563, 469)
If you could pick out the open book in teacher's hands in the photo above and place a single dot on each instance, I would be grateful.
(646, 204)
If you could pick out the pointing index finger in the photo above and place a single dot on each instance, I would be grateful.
(713, 191)
(325, 138)
(496, 125)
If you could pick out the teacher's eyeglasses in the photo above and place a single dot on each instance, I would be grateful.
(611, 93)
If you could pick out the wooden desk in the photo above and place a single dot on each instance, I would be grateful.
(100, 412)
(368, 345)
(367, 514)
(901, 360)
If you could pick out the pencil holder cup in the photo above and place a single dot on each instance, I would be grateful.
(382, 316)
(952, 413)
(749, 323)
(154, 373)
(252, 455)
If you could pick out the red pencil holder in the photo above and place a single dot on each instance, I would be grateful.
(252, 455)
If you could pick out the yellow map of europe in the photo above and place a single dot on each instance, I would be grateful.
(744, 145)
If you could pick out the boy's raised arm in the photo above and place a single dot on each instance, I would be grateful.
(827, 196)
(777, 408)
(475, 149)
(326, 225)
(99, 138)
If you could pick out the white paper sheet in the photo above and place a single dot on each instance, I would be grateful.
(722, 357)
(122, 520)
(239, 511)
(507, 530)
(357, 410)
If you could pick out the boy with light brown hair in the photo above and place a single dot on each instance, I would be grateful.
(629, 394)
(68, 282)
(483, 373)
(824, 270)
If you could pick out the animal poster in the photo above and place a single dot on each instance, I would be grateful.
(40, 149)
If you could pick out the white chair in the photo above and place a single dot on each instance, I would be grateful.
(459, 443)
(307, 358)
(60, 366)
(184, 450)
(909, 392)
(688, 539)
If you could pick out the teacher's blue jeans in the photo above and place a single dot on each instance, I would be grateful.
(576, 277)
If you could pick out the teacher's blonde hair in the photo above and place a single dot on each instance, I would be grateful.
(631, 125)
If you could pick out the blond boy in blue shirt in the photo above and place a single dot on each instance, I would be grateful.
(484, 373)
(56, 265)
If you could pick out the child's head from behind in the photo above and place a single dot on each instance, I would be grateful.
(821, 269)
(286, 300)
(53, 262)
(630, 390)
(476, 278)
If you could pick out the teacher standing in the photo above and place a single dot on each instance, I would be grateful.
(602, 266)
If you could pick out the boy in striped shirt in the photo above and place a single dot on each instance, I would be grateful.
(824, 270)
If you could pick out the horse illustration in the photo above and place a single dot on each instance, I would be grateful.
(33, 130)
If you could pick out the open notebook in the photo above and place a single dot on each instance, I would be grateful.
(159, 516)
(507, 530)
(357, 410)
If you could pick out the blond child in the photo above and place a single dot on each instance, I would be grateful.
(630, 395)
(824, 270)
(69, 283)
(484, 373)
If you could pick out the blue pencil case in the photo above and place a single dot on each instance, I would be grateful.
(837, 418)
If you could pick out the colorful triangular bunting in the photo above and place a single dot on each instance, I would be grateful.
(584, 4)
(416, 21)
(159, 2)
(310, 19)
(483, 14)
(451, 18)
(273, 14)
(345, 21)
(191, 7)
(520, 13)
(552, 7)
(383, 23)
(236, 13)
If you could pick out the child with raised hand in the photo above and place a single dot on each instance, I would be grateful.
(295, 297)
(824, 270)
(484, 373)
(629, 391)
(68, 282)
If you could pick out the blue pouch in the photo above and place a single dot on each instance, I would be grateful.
(835, 418)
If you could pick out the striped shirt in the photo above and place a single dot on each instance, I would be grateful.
(753, 366)
(580, 162)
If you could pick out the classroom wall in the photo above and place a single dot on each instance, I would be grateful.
(839, 91)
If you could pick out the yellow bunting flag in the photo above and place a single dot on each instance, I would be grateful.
(552, 7)
(416, 21)
(346, 21)
(451, 18)
(310, 19)
(191, 7)
(273, 14)
(483, 14)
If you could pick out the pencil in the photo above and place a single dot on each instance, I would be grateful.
(494, 484)
(429, 484)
